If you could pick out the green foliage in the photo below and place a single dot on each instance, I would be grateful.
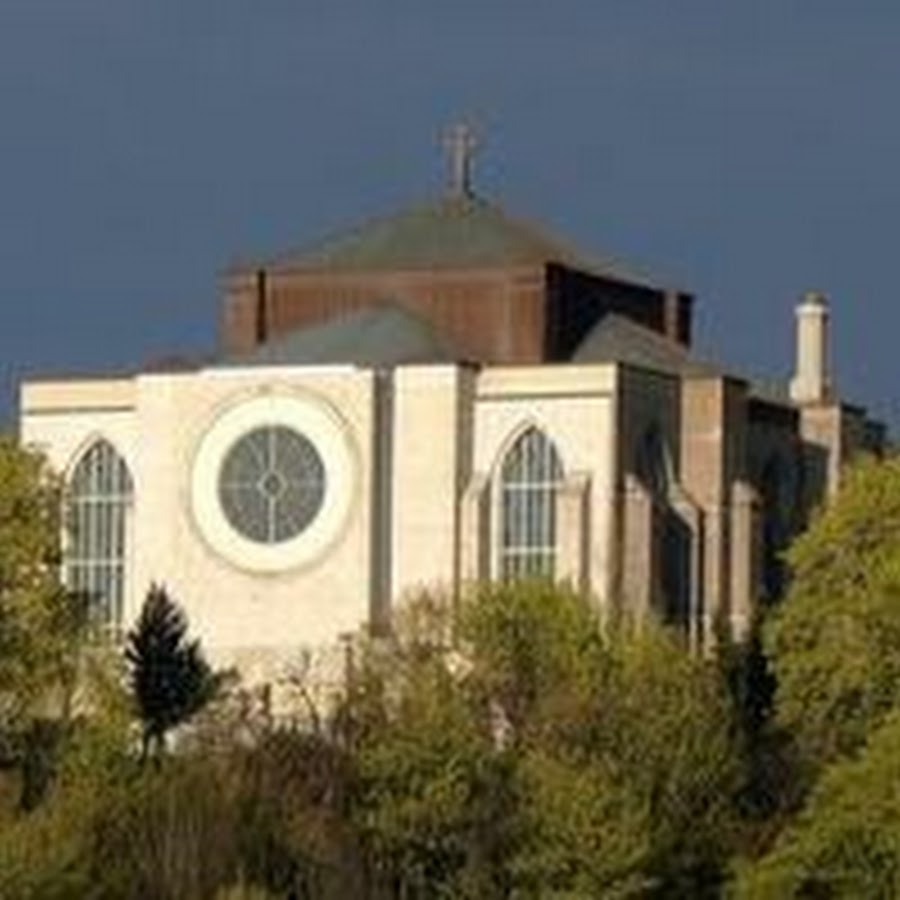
(533, 647)
(134, 834)
(540, 757)
(294, 833)
(43, 856)
(835, 643)
(47, 852)
(666, 721)
(834, 647)
(169, 833)
(41, 625)
(170, 678)
(505, 745)
(770, 789)
(98, 747)
(426, 773)
(846, 842)
(627, 718)
(582, 831)
(37, 625)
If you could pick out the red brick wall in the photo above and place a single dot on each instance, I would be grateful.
(488, 315)
(514, 315)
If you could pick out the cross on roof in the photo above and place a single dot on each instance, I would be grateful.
(461, 143)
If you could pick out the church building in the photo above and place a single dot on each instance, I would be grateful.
(442, 395)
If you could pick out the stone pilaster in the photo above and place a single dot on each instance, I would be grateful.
(573, 528)
(475, 530)
(638, 564)
(745, 559)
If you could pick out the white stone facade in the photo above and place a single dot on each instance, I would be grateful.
(411, 458)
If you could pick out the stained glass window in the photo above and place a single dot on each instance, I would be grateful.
(530, 480)
(272, 484)
(99, 497)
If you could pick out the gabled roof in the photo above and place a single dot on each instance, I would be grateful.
(455, 231)
(381, 335)
(617, 339)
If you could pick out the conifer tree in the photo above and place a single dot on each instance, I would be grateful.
(170, 678)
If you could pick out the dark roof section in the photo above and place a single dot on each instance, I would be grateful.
(452, 232)
(381, 335)
(617, 339)
(771, 390)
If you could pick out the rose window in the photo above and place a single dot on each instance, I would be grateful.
(271, 484)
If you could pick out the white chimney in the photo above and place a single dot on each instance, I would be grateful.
(812, 374)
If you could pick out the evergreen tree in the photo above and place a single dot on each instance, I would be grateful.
(170, 678)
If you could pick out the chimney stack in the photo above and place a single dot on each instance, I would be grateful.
(811, 383)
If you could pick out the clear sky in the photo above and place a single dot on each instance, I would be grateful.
(746, 152)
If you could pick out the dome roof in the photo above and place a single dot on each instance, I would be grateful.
(456, 231)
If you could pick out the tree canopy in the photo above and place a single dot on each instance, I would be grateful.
(508, 742)
(835, 642)
(542, 755)
(845, 843)
(37, 623)
(835, 649)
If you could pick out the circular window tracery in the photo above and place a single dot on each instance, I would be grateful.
(271, 484)
(281, 515)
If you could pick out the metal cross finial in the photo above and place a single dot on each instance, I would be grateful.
(461, 144)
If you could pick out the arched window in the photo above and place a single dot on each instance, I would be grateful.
(529, 482)
(99, 496)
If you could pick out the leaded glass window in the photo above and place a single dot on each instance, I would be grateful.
(99, 499)
(530, 479)
(272, 484)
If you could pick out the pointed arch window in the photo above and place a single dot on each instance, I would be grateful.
(99, 498)
(530, 479)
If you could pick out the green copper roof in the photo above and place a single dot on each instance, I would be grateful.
(617, 339)
(382, 335)
(453, 232)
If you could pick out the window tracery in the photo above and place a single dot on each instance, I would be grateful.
(99, 498)
(530, 479)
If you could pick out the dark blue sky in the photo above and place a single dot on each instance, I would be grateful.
(747, 152)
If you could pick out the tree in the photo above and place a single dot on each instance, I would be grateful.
(835, 642)
(170, 832)
(170, 678)
(834, 648)
(427, 777)
(624, 749)
(37, 629)
(846, 842)
(296, 837)
(41, 624)
(520, 749)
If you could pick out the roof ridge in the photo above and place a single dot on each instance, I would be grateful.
(366, 223)
(447, 231)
